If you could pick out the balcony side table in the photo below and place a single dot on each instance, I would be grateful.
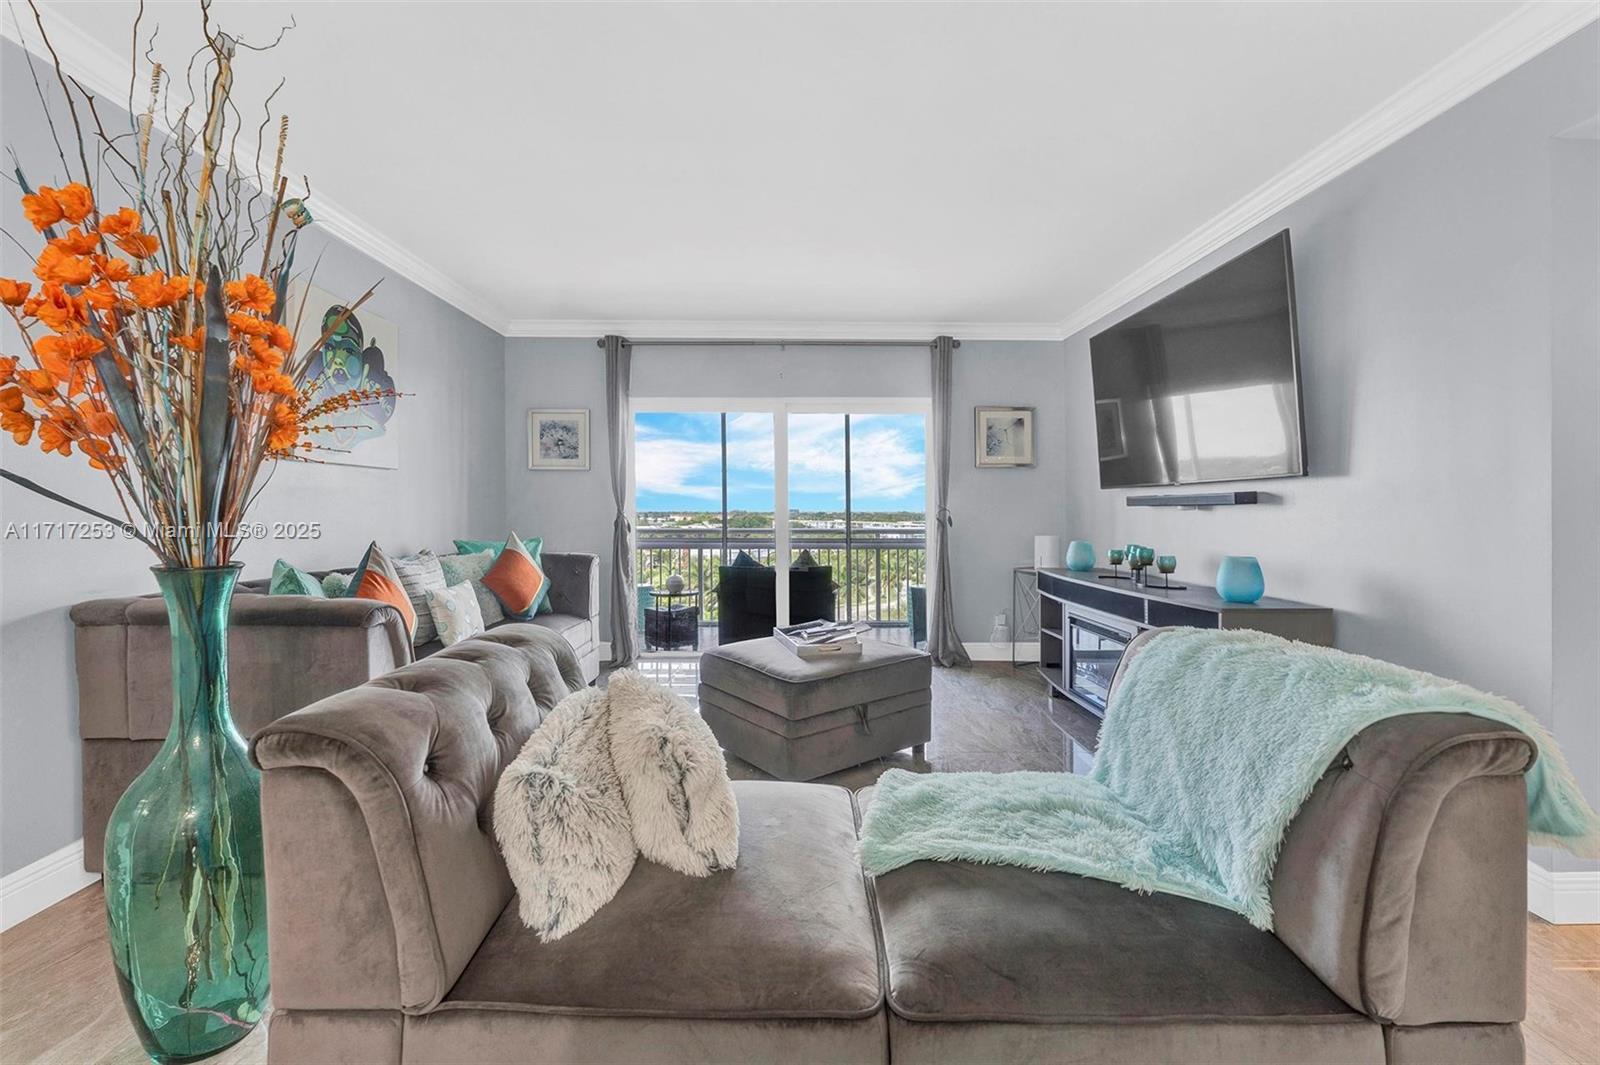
(666, 602)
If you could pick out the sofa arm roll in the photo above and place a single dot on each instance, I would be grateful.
(382, 872)
(574, 585)
(1402, 882)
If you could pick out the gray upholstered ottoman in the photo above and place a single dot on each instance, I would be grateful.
(800, 719)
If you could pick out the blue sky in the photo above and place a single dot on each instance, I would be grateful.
(678, 461)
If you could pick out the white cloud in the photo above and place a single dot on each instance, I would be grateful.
(677, 467)
(887, 460)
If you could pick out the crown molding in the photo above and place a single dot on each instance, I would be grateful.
(1526, 32)
(553, 328)
(105, 74)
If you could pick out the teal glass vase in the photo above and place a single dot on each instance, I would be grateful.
(185, 888)
(1239, 579)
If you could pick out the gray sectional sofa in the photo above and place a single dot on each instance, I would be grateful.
(284, 652)
(1399, 896)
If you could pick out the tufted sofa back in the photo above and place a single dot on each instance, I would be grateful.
(376, 806)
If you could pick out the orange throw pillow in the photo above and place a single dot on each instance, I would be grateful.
(516, 580)
(376, 578)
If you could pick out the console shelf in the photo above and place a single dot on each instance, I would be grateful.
(1086, 617)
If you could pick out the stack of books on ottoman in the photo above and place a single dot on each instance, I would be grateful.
(821, 639)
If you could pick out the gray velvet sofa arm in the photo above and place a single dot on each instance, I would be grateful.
(574, 584)
(382, 872)
(1402, 882)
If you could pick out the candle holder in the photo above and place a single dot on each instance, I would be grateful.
(1114, 556)
(1168, 565)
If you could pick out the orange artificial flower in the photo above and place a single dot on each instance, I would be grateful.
(280, 337)
(248, 324)
(194, 341)
(11, 398)
(112, 269)
(251, 293)
(8, 368)
(100, 455)
(97, 417)
(42, 208)
(58, 353)
(54, 437)
(57, 264)
(121, 224)
(13, 293)
(157, 290)
(77, 242)
(273, 384)
(56, 308)
(139, 245)
(76, 201)
(18, 423)
(285, 429)
(39, 382)
(100, 296)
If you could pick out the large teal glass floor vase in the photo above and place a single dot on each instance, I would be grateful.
(185, 890)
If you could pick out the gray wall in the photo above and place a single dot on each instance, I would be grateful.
(450, 480)
(1425, 311)
(997, 512)
(1575, 460)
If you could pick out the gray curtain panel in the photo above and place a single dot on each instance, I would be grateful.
(619, 375)
(944, 642)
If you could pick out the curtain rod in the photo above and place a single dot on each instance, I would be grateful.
(668, 342)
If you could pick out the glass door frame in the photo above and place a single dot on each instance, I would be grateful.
(780, 409)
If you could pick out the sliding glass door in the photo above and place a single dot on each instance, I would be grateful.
(831, 496)
(857, 504)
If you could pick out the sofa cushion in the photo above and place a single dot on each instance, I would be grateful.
(969, 942)
(786, 934)
(578, 631)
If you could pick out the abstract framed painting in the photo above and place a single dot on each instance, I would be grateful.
(558, 439)
(359, 353)
(1004, 436)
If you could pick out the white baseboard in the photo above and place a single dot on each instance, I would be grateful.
(43, 883)
(1001, 652)
(1564, 898)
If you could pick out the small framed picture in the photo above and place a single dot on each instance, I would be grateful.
(1004, 436)
(1108, 429)
(558, 439)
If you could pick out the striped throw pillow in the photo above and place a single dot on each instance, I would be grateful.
(420, 574)
(517, 580)
(376, 579)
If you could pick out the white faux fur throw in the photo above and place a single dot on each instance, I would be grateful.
(610, 774)
(1211, 743)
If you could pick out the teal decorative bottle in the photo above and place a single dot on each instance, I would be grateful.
(185, 890)
(1239, 579)
(1080, 556)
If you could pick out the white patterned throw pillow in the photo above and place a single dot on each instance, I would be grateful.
(455, 613)
(471, 568)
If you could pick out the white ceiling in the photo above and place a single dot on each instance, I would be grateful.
(1002, 169)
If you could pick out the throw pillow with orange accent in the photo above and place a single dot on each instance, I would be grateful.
(517, 580)
(376, 578)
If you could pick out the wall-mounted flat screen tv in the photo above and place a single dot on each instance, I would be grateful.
(1204, 384)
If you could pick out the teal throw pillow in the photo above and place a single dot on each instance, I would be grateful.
(289, 580)
(534, 544)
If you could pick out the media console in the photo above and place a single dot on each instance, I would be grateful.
(1087, 619)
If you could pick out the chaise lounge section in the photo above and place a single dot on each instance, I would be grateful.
(1399, 898)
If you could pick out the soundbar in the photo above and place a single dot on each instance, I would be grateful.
(1195, 499)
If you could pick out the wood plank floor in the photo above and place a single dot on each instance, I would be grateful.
(59, 1001)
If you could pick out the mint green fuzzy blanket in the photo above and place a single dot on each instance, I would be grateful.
(1212, 742)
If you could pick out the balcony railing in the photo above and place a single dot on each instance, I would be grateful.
(872, 571)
